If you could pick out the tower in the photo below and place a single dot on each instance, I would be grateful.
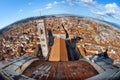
(43, 37)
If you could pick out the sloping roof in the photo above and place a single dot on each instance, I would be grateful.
(58, 51)
(68, 70)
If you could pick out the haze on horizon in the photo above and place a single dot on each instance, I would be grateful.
(12, 11)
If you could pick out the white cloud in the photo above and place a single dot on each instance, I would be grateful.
(71, 2)
(98, 13)
(20, 10)
(30, 3)
(88, 1)
(55, 3)
(109, 10)
(48, 6)
(85, 2)
(62, 1)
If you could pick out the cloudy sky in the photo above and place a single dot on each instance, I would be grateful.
(14, 10)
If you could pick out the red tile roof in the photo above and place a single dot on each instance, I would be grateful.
(70, 70)
(58, 51)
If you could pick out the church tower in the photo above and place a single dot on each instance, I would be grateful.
(43, 37)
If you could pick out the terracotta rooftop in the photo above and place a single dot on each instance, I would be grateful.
(58, 51)
(58, 32)
(44, 70)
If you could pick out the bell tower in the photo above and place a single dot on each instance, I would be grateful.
(43, 37)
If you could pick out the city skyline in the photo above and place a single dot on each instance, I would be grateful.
(15, 10)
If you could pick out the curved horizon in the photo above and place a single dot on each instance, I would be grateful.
(12, 11)
(34, 17)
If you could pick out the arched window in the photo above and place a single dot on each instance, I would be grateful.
(41, 31)
(42, 39)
